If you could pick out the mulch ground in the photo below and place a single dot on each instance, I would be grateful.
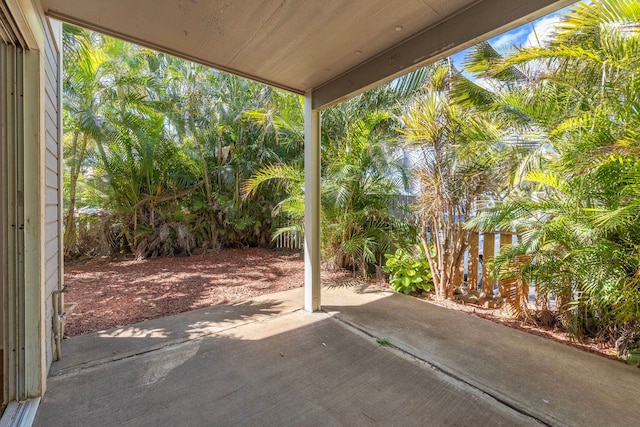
(113, 294)
(555, 334)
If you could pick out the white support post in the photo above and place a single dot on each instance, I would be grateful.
(311, 206)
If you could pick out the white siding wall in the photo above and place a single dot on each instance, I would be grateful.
(52, 183)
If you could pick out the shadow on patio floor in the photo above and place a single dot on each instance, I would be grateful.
(265, 362)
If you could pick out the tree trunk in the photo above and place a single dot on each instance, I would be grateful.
(77, 158)
(450, 243)
(213, 231)
(562, 310)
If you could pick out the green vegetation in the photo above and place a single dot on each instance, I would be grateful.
(408, 272)
(464, 161)
(163, 147)
(577, 205)
(360, 180)
(181, 158)
(383, 342)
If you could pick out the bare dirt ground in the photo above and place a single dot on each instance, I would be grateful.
(112, 293)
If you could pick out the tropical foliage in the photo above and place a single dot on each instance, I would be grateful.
(463, 162)
(408, 272)
(162, 147)
(183, 158)
(578, 208)
(361, 179)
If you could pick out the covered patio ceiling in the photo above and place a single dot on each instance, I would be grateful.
(329, 49)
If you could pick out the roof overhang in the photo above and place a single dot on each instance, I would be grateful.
(332, 49)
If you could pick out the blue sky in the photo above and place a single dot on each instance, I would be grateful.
(521, 36)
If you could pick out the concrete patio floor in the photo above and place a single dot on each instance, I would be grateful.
(267, 362)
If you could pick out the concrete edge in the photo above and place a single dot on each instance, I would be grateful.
(78, 368)
(484, 389)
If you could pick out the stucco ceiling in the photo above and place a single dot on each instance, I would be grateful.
(331, 48)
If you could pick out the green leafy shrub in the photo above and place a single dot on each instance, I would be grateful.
(408, 272)
(634, 357)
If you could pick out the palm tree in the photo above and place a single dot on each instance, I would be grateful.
(360, 178)
(83, 90)
(579, 208)
(463, 162)
(169, 136)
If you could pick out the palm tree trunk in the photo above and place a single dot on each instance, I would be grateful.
(213, 231)
(77, 158)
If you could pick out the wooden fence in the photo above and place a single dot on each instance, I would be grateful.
(482, 248)
(475, 275)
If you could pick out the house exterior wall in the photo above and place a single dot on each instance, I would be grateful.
(31, 229)
(52, 179)
(41, 189)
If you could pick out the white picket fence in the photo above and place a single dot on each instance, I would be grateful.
(289, 239)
